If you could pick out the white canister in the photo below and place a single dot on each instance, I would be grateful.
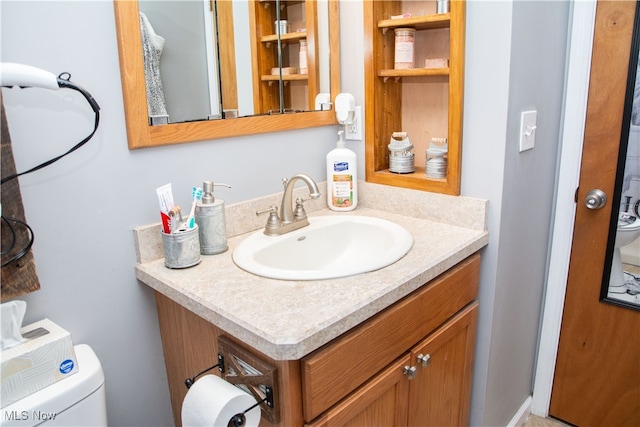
(404, 55)
(281, 26)
(443, 6)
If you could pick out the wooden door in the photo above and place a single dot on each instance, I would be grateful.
(440, 392)
(597, 376)
(381, 402)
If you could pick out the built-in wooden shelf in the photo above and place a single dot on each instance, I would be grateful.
(424, 102)
(414, 72)
(425, 22)
(286, 77)
(271, 38)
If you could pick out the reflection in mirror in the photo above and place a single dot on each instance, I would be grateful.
(152, 46)
(622, 286)
(180, 58)
(192, 48)
(232, 84)
(235, 70)
(291, 54)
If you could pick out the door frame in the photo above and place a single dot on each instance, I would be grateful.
(574, 118)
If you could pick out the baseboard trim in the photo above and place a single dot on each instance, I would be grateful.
(523, 413)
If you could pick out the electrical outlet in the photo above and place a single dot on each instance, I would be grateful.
(353, 131)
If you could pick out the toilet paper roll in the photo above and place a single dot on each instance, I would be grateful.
(212, 401)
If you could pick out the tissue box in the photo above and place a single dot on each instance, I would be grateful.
(45, 357)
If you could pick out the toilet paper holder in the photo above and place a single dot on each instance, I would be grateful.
(248, 372)
(239, 419)
(220, 365)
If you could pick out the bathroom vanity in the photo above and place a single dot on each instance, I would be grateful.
(389, 347)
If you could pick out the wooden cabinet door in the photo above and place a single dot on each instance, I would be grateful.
(440, 392)
(381, 402)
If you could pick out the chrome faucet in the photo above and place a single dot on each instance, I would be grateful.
(290, 219)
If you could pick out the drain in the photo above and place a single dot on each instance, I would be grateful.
(301, 238)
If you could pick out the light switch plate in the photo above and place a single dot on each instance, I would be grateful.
(528, 130)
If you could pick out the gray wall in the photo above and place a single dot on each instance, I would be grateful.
(532, 36)
(83, 208)
(488, 51)
(536, 82)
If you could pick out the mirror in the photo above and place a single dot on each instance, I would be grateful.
(210, 125)
(621, 281)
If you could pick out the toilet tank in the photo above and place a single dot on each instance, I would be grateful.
(78, 400)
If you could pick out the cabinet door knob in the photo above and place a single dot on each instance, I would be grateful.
(410, 371)
(424, 359)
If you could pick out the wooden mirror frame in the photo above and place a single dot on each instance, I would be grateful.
(140, 134)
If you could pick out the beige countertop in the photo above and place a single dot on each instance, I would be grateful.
(287, 320)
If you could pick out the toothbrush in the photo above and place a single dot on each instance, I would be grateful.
(196, 193)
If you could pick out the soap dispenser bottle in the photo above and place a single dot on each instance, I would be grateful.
(342, 181)
(210, 218)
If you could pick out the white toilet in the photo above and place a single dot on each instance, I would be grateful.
(78, 400)
(628, 232)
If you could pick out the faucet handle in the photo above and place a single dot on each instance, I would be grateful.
(272, 209)
(273, 215)
(300, 213)
(273, 222)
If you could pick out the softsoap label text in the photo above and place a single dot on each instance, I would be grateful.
(340, 166)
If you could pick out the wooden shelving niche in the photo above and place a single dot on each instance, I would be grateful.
(424, 102)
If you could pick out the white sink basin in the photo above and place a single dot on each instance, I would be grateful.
(330, 247)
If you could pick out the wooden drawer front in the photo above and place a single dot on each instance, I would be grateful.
(332, 372)
(382, 401)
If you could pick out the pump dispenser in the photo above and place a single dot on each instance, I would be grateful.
(342, 182)
(211, 221)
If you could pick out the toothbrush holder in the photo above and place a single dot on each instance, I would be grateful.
(181, 248)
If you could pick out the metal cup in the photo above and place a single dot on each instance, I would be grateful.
(181, 248)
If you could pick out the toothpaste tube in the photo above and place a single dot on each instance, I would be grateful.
(165, 198)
